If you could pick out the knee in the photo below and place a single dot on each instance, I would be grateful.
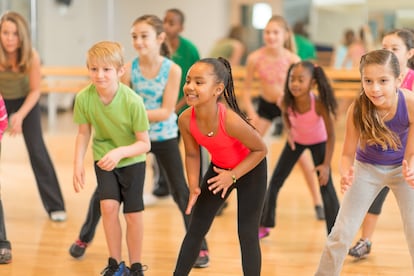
(109, 207)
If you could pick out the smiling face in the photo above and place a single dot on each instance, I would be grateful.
(201, 84)
(380, 85)
(103, 75)
(274, 35)
(145, 39)
(300, 81)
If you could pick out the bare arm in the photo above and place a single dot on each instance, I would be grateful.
(348, 151)
(169, 98)
(248, 81)
(325, 167)
(192, 158)
(111, 159)
(237, 127)
(408, 165)
(81, 145)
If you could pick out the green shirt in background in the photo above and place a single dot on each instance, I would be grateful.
(114, 125)
(185, 56)
(306, 49)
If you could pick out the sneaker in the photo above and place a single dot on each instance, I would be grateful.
(360, 249)
(202, 259)
(115, 269)
(78, 248)
(137, 269)
(161, 191)
(5, 256)
(320, 213)
(58, 216)
(263, 232)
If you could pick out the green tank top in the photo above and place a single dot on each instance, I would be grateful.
(14, 85)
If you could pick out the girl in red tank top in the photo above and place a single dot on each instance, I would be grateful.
(238, 162)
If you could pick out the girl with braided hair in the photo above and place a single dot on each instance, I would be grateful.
(238, 161)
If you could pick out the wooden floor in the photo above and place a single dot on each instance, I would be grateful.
(40, 247)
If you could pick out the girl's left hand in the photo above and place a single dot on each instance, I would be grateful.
(323, 174)
(221, 182)
(408, 173)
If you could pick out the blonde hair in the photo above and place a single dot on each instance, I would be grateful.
(25, 51)
(290, 41)
(106, 52)
(372, 129)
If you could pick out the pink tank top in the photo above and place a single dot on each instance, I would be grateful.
(226, 151)
(307, 128)
(272, 72)
(408, 80)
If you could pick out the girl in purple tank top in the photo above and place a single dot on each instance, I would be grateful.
(401, 43)
(376, 153)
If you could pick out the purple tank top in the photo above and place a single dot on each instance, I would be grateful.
(399, 124)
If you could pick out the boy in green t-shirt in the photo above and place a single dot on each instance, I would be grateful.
(120, 142)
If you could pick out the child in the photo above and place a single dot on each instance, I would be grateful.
(401, 43)
(270, 64)
(20, 87)
(238, 161)
(378, 151)
(156, 79)
(309, 123)
(120, 142)
(5, 246)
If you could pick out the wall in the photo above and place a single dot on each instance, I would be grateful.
(64, 37)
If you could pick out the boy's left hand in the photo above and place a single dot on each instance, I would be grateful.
(109, 161)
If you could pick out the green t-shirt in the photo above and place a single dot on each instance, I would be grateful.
(185, 56)
(115, 124)
(306, 49)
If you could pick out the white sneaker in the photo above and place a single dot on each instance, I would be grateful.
(58, 216)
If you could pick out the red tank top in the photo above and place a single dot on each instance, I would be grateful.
(226, 151)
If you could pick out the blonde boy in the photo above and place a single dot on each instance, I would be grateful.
(120, 142)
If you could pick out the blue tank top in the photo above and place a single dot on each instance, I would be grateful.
(374, 154)
(152, 91)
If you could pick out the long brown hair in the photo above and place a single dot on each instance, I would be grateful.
(368, 122)
(25, 51)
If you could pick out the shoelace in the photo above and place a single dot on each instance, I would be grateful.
(81, 243)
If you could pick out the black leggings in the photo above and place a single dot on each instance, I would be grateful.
(251, 189)
(43, 169)
(376, 206)
(284, 166)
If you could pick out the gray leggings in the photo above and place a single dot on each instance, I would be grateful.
(368, 182)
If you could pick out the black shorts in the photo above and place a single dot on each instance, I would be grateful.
(267, 110)
(124, 184)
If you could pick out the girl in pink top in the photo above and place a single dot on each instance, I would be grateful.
(401, 43)
(310, 126)
(238, 162)
(270, 64)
